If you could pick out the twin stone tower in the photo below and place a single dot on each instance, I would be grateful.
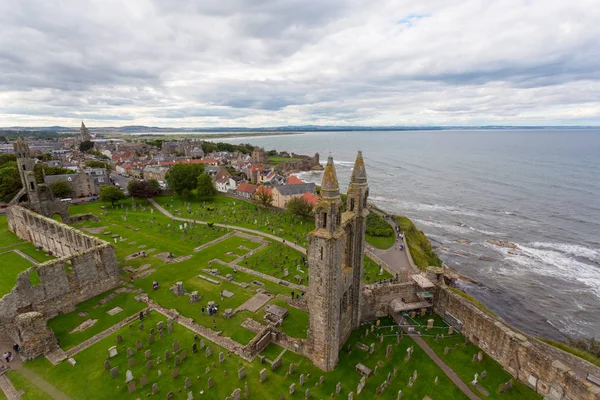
(336, 260)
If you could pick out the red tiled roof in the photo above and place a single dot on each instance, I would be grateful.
(311, 198)
(246, 188)
(191, 161)
(294, 180)
(266, 189)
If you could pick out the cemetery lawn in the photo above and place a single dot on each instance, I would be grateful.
(461, 361)
(381, 242)
(32, 392)
(371, 272)
(277, 257)
(62, 324)
(89, 380)
(11, 265)
(238, 212)
(272, 351)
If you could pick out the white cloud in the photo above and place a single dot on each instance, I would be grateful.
(268, 63)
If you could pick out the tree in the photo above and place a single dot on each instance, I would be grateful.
(10, 181)
(142, 189)
(377, 226)
(183, 178)
(86, 145)
(61, 189)
(206, 188)
(155, 184)
(111, 194)
(40, 170)
(45, 157)
(300, 207)
(98, 164)
(263, 196)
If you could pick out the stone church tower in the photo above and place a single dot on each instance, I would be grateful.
(39, 196)
(336, 260)
(84, 133)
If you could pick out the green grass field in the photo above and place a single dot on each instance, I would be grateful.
(381, 242)
(63, 324)
(460, 360)
(32, 392)
(89, 380)
(11, 265)
(274, 259)
(227, 210)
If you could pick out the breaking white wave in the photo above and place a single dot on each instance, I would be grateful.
(458, 229)
(571, 249)
(555, 264)
(342, 163)
(426, 207)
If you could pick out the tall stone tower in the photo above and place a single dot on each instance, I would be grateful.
(39, 196)
(26, 165)
(84, 133)
(335, 256)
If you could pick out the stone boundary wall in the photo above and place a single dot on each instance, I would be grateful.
(551, 372)
(86, 267)
(376, 298)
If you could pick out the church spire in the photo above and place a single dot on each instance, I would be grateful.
(330, 188)
(359, 173)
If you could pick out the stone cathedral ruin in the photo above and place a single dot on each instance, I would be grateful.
(337, 299)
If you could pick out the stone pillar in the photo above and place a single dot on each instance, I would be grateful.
(34, 336)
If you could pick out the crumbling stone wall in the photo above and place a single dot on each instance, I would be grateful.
(376, 298)
(551, 372)
(86, 267)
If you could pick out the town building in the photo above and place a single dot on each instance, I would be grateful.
(284, 193)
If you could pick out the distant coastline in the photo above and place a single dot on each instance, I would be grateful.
(191, 135)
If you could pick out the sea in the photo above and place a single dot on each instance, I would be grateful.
(536, 188)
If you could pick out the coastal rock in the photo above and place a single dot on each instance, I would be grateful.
(504, 243)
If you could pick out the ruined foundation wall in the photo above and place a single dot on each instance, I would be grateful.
(376, 298)
(549, 371)
(86, 268)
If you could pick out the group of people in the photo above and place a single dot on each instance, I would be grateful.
(211, 310)
(155, 285)
(8, 355)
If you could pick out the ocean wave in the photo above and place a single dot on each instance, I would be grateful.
(460, 229)
(340, 162)
(555, 264)
(426, 207)
(571, 249)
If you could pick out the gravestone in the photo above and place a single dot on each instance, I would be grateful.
(399, 396)
(151, 340)
(372, 348)
(149, 364)
(474, 358)
(188, 383)
(208, 352)
(210, 382)
(338, 387)
(194, 348)
(410, 382)
(119, 338)
(246, 390)
(291, 369)
(221, 357)
(414, 377)
(430, 323)
(112, 351)
(147, 354)
(307, 393)
(435, 381)
(351, 396)
(483, 374)
(167, 354)
(183, 355)
(114, 372)
(177, 360)
(143, 380)
(159, 373)
(106, 365)
(170, 395)
(141, 327)
(450, 330)
(301, 379)
(292, 388)
(129, 352)
(388, 351)
(202, 344)
(131, 387)
(175, 346)
(263, 375)
(237, 394)
(155, 388)
(480, 356)
(175, 373)
(190, 395)
(138, 345)
(446, 350)
(241, 373)
(128, 376)
(131, 361)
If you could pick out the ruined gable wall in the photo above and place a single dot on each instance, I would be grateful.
(549, 371)
(376, 298)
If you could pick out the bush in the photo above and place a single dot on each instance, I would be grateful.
(300, 207)
(183, 178)
(61, 189)
(418, 244)
(142, 189)
(377, 226)
(111, 194)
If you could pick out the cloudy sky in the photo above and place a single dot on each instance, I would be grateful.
(206, 63)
